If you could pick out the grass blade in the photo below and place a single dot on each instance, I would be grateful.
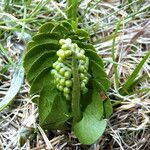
(16, 83)
(115, 66)
(137, 81)
(4, 52)
(134, 74)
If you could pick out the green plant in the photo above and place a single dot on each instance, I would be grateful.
(129, 86)
(67, 79)
(132, 81)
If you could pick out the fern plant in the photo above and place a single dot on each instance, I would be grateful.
(68, 81)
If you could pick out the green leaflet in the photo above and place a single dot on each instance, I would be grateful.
(45, 61)
(93, 56)
(43, 79)
(92, 126)
(53, 109)
(30, 45)
(43, 38)
(98, 85)
(106, 101)
(47, 27)
(82, 34)
(61, 30)
(36, 52)
(86, 46)
(67, 25)
(108, 110)
(99, 75)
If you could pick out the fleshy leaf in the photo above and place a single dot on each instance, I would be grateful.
(91, 126)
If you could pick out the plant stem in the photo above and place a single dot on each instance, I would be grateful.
(76, 111)
(72, 12)
(115, 66)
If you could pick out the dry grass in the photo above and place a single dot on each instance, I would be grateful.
(129, 126)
